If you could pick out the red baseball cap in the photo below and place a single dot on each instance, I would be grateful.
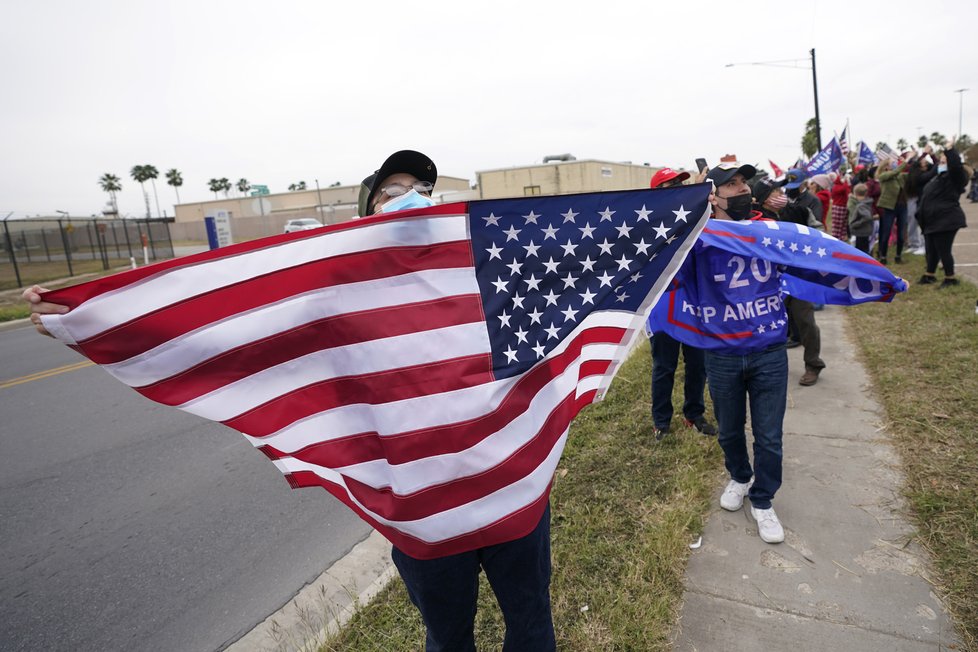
(665, 175)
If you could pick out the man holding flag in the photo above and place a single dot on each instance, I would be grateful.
(728, 298)
(421, 365)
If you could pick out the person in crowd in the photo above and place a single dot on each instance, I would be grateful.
(916, 167)
(445, 589)
(861, 216)
(973, 193)
(873, 192)
(769, 197)
(893, 206)
(840, 207)
(665, 361)
(940, 214)
(819, 185)
(801, 314)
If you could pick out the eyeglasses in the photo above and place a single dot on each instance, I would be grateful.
(397, 189)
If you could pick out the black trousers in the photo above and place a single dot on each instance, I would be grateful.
(937, 246)
(801, 314)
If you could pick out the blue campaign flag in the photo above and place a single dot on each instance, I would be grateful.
(866, 156)
(729, 294)
(828, 160)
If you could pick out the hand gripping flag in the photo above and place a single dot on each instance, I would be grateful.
(728, 296)
(423, 367)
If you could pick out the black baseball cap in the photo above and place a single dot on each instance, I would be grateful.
(763, 188)
(407, 161)
(724, 172)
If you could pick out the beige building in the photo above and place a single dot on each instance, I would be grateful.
(253, 217)
(563, 177)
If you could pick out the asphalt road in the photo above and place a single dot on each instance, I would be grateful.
(125, 525)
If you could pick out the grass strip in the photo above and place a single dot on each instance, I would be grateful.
(922, 354)
(624, 511)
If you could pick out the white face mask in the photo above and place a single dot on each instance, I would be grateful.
(410, 199)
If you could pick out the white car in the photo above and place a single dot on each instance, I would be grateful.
(303, 224)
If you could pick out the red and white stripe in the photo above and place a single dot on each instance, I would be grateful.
(356, 357)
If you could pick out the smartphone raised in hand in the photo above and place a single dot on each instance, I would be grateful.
(701, 164)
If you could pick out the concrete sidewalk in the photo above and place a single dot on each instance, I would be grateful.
(849, 576)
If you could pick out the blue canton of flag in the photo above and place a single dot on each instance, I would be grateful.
(547, 266)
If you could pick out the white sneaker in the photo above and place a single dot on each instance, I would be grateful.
(768, 525)
(733, 496)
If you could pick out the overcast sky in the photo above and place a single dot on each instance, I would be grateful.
(283, 91)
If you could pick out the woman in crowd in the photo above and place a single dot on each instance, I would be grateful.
(940, 214)
(840, 211)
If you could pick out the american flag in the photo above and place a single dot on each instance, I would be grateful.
(844, 141)
(423, 367)
(885, 153)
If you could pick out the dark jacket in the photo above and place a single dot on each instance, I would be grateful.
(940, 209)
(914, 186)
(805, 209)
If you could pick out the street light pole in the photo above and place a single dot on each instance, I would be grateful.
(960, 93)
(818, 122)
(793, 63)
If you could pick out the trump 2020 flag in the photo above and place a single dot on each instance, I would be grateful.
(827, 160)
(866, 156)
(423, 366)
(729, 294)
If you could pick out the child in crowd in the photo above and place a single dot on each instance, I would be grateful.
(861, 216)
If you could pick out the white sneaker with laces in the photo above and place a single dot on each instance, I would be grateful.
(768, 525)
(733, 496)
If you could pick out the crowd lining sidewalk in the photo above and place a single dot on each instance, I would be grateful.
(849, 575)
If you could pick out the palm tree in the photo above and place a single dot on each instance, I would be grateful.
(938, 139)
(152, 173)
(809, 142)
(902, 144)
(140, 174)
(216, 186)
(110, 183)
(174, 178)
(243, 186)
(225, 186)
(293, 187)
(301, 185)
(922, 142)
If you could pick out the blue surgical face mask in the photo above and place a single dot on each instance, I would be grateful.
(410, 199)
(942, 168)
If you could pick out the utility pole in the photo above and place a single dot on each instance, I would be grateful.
(818, 122)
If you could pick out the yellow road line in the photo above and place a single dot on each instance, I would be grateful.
(40, 375)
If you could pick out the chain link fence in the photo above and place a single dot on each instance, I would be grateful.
(41, 249)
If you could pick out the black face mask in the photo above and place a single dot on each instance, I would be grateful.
(739, 206)
(793, 193)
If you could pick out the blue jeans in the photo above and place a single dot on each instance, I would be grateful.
(665, 360)
(446, 590)
(891, 215)
(761, 378)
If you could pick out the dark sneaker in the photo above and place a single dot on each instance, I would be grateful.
(898, 260)
(927, 280)
(810, 377)
(883, 261)
(949, 282)
(703, 426)
(660, 432)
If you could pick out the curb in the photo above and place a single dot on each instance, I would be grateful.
(324, 605)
